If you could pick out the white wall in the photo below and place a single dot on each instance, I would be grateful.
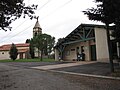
(56, 55)
(79, 44)
(4, 55)
(101, 44)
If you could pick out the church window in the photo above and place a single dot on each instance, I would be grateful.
(35, 33)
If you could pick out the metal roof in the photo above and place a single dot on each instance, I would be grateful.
(81, 33)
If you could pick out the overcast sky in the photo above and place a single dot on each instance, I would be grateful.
(56, 17)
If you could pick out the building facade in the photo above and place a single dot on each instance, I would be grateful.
(23, 51)
(37, 30)
(87, 40)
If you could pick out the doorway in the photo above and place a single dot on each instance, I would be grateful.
(21, 56)
(93, 52)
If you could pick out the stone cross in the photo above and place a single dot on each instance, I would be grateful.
(37, 18)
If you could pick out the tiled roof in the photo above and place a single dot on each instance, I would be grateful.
(7, 46)
(22, 45)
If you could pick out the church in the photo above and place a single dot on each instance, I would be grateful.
(88, 40)
(37, 30)
(23, 48)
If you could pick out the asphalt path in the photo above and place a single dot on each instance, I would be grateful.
(97, 68)
(20, 76)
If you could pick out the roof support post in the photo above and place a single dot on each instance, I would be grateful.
(61, 49)
(83, 33)
(88, 33)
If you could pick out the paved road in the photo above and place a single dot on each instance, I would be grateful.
(97, 68)
(21, 77)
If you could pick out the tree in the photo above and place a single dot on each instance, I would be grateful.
(31, 49)
(44, 44)
(27, 41)
(38, 44)
(10, 10)
(108, 12)
(13, 52)
(50, 42)
(60, 40)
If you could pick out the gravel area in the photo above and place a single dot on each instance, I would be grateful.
(19, 78)
(32, 64)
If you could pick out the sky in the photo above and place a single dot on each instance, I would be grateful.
(56, 17)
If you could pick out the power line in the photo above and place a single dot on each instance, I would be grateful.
(24, 21)
(44, 5)
(42, 18)
(21, 31)
(27, 19)
(58, 8)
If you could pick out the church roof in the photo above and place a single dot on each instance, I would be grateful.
(37, 25)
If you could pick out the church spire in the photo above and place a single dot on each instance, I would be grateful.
(37, 25)
(37, 29)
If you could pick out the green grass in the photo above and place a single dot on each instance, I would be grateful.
(28, 60)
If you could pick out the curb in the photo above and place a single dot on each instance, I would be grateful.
(88, 75)
(81, 74)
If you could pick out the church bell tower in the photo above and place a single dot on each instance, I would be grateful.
(37, 29)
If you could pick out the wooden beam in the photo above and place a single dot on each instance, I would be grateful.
(86, 39)
(89, 33)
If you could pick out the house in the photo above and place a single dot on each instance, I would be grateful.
(23, 51)
(88, 40)
(23, 48)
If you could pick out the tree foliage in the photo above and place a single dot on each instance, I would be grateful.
(10, 10)
(13, 52)
(28, 41)
(50, 44)
(108, 12)
(31, 48)
(44, 44)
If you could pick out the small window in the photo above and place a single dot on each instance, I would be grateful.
(2, 52)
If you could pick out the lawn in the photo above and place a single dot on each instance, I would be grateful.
(29, 60)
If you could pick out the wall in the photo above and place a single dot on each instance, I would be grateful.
(4, 55)
(68, 54)
(101, 44)
(56, 55)
(22, 47)
(72, 49)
